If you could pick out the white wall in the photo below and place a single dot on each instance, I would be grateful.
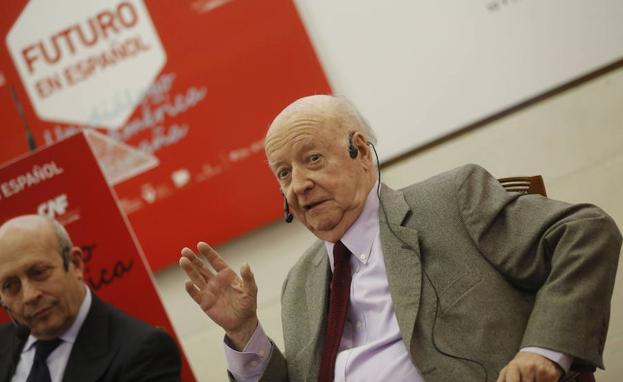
(421, 69)
(573, 139)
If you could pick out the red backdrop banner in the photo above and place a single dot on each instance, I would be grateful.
(64, 181)
(196, 83)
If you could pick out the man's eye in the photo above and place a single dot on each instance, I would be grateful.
(40, 273)
(10, 287)
(314, 157)
(283, 173)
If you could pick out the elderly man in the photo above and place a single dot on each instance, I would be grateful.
(61, 331)
(451, 279)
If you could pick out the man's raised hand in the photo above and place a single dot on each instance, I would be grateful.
(229, 300)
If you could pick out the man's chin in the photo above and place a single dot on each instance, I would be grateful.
(46, 327)
(326, 230)
(46, 333)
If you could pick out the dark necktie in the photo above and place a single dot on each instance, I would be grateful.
(338, 307)
(39, 371)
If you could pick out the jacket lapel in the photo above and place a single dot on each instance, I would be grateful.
(316, 289)
(402, 260)
(92, 351)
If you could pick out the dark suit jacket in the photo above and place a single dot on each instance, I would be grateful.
(475, 273)
(111, 346)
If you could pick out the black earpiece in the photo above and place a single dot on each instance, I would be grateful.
(287, 215)
(352, 150)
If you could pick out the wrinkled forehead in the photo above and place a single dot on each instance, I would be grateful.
(301, 130)
(26, 233)
(21, 250)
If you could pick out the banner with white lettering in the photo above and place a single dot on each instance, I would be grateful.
(193, 82)
(64, 181)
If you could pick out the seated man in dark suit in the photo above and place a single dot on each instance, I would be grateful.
(61, 331)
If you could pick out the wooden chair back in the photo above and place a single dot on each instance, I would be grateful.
(524, 184)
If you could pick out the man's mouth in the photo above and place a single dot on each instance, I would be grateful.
(40, 313)
(312, 205)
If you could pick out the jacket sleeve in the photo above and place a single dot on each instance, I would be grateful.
(277, 370)
(566, 254)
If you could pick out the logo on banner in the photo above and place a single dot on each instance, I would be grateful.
(74, 62)
(54, 207)
(58, 208)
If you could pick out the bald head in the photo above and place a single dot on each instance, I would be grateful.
(31, 226)
(323, 111)
(42, 228)
(24, 221)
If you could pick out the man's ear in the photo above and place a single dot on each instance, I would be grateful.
(76, 260)
(365, 152)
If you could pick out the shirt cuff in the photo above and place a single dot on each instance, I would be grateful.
(250, 363)
(563, 360)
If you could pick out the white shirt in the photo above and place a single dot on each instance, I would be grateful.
(57, 360)
(371, 348)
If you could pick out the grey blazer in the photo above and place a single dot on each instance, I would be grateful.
(475, 273)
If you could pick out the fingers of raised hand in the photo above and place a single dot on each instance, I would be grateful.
(213, 257)
(248, 279)
(200, 266)
(194, 272)
(203, 298)
(192, 290)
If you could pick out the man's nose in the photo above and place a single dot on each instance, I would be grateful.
(30, 292)
(301, 181)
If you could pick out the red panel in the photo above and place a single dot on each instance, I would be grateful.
(229, 70)
(74, 191)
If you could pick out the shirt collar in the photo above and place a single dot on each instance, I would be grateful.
(71, 333)
(360, 236)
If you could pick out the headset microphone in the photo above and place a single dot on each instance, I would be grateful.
(287, 215)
